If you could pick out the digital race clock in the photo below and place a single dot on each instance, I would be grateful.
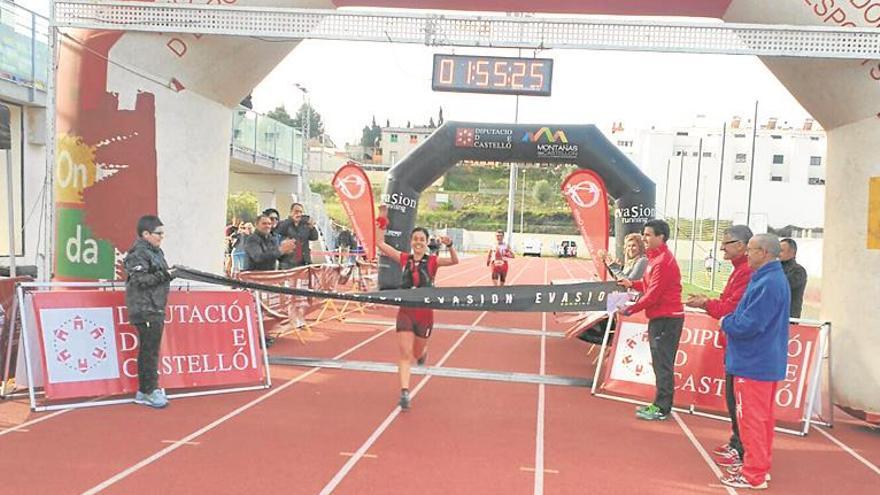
(500, 75)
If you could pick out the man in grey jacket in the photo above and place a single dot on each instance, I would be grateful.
(146, 294)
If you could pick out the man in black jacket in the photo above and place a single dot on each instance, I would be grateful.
(146, 293)
(260, 248)
(795, 273)
(301, 229)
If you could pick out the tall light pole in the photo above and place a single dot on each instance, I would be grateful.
(522, 210)
(306, 133)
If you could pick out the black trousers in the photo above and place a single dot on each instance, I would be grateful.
(149, 337)
(735, 442)
(664, 334)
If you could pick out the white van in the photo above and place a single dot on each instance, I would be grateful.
(531, 247)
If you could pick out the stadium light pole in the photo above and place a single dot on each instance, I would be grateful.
(306, 131)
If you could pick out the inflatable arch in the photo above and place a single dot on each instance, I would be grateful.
(169, 135)
(581, 145)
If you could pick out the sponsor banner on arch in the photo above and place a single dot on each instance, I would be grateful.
(356, 195)
(699, 366)
(88, 348)
(587, 197)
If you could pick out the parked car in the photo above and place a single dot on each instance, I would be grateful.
(531, 247)
(567, 249)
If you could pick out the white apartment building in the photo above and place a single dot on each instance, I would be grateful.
(397, 142)
(789, 170)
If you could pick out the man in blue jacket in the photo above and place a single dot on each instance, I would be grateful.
(757, 354)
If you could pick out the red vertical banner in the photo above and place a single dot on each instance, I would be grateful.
(354, 191)
(588, 199)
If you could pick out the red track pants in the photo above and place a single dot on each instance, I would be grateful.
(754, 409)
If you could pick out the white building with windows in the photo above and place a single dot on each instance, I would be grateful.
(789, 170)
(397, 142)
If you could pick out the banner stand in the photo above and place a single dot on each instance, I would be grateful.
(821, 361)
(26, 288)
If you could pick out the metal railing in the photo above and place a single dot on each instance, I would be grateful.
(24, 47)
(266, 141)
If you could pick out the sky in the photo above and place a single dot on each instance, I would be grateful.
(350, 82)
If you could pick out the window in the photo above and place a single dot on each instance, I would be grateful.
(678, 153)
(814, 138)
(775, 136)
(778, 159)
(740, 158)
(625, 144)
(815, 161)
(413, 139)
(816, 181)
(394, 138)
(707, 154)
(739, 135)
(775, 178)
(681, 133)
(739, 176)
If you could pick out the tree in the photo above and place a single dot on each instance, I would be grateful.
(280, 114)
(242, 206)
(387, 122)
(542, 192)
(316, 124)
(440, 117)
(431, 123)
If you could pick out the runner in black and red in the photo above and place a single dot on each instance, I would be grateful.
(414, 325)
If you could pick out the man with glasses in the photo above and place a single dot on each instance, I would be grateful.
(757, 356)
(733, 244)
(260, 248)
(275, 217)
(146, 294)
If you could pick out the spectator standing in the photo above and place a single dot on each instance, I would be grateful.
(301, 229)
(733, 244)
(795, 273)
(757, 355)
(146, 295)
(260, 248)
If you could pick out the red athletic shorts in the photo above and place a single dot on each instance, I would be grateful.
(419, 321)
(499, 272)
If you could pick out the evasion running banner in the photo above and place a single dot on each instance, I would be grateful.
(588, 199)
(354, 191)
(699, 366)
(588, 296)
(89, 349)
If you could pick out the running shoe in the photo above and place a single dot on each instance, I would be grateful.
(421, 360)
(738, 470)
(739, 481)
(652, 413)
(722, 449)
(404, 400)
(155, 399)
(642, 408)
(728, 460)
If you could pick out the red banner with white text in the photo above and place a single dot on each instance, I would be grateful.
(89, 349)
(354, 191)
(699, 366)
(588, 199)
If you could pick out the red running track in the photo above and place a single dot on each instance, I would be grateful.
(339, 431)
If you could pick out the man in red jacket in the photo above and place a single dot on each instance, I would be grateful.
(661, 301)
(734, 243)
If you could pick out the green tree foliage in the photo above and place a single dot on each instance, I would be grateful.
(280, 114)
(242, 206)
(542, 191)
(316, 124)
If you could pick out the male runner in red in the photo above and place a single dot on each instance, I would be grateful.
(496, 259)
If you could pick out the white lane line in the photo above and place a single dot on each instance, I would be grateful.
(189, 438)
(23, 427)
(539, 427)
(850, 451)
(368, 443)
(185, 443)
(702, 451)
